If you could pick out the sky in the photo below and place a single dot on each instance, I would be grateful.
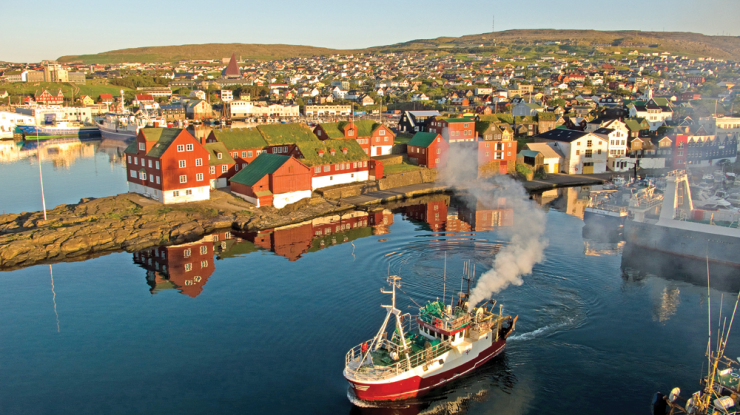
(75, 27)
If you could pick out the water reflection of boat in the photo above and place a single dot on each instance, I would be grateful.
(639, 263)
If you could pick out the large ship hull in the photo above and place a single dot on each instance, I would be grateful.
(413, 386)
(688, 243)
(81, 132)
(117, 134)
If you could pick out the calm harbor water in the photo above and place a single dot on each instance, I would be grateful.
(260, 323)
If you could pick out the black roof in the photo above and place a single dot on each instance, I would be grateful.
(604, 130)
(561, 134)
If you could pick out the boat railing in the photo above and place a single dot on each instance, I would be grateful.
(366, 369)
(609, 207)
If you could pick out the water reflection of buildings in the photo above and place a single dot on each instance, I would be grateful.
(570, 200)
(461, 215)
(293, 241)
(62, 152)
(185, 267)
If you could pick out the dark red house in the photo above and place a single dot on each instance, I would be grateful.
(168, 165)
(273, 180)
(428, 149)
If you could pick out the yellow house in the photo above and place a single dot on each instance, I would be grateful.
(86, 100)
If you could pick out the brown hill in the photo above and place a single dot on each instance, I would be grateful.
(206, 51)
(516, 41)
(682, 43)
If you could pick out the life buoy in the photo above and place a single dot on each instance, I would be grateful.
(437, 322)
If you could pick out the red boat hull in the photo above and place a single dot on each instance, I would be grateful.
(416, 386)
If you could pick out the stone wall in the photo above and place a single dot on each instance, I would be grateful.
(407, 178)
(346, 190)
(390, 160)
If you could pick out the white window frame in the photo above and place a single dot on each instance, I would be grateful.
(180, 148)
(182, 164)
(183, 178)
(199, 177)
(189, 147)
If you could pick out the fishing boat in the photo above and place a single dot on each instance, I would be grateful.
(720, 388)
(670, 223)
(425, 351)
(125, 125)
(62, 128)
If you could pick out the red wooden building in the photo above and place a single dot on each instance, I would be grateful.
(273, 180)
(374, 138)
(428, 149)
(168, 165)
(454, 129)
(48, 98)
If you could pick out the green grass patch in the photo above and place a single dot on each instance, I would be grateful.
(399, 168)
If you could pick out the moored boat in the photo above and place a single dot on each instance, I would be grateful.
(442, 343)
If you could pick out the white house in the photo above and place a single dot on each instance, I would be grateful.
(553, 158)
(584, 152)
(522, 109)
(656, 111)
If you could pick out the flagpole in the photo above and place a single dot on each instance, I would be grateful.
(41, 179)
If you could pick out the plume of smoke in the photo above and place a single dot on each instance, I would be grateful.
(527, 242)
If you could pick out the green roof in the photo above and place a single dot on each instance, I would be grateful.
(528, 153)
(213, 149)
(534, 106)
(634, 124)
(482, 126)
(365, 128)
(455, 120)
(310, 151)
(265, 163)
(156, 134)
(663, 102)
(547, 116)
(240, 138)
(422, 139)
(163, 136)
(277, 134)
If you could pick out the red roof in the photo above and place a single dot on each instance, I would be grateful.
(106, 96)
(144, 97)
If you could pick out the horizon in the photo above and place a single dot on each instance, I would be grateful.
(713, 18)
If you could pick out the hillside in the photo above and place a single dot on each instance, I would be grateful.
(517, 41)
(206, 51)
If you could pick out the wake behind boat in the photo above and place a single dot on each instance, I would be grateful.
(425, 351)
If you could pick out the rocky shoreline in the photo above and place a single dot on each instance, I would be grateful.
(130, 222)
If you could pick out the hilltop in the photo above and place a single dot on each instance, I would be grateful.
(205, 51)
(526, 42)
(532, 40)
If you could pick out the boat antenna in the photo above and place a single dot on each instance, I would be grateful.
(444, 282)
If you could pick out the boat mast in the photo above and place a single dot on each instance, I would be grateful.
(444, 283)
(394, 280)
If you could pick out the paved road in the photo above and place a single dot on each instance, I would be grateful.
(562, 180)
(394, 194)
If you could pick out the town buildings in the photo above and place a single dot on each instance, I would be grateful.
(584, 152)
(168, 165)
(273, 180)
(428, 150)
